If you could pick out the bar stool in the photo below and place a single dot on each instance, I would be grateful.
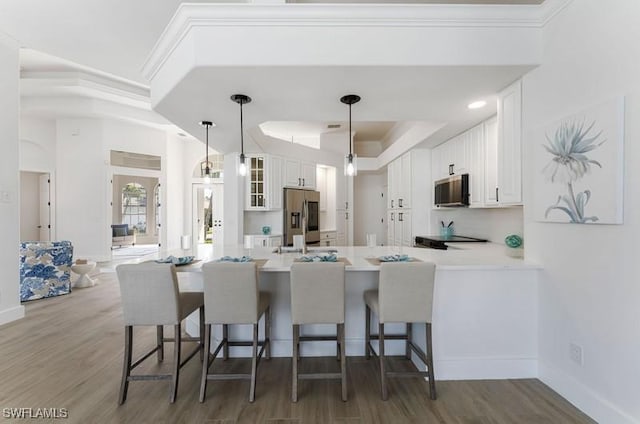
(150, 296)
(317, 297)
(231, 296)
(405, 295)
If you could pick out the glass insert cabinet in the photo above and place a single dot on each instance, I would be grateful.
(263, 182)
(257, 186)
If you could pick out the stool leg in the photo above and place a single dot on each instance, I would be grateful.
(225, 340)
(267, 333)
(383, 375)
(202, 334)
(343, 362)
(432, 378)
(254, 363)
(367, 332)
(205, 362)
(126, 368)
(176, 363)
(409, 339)
(160, 342)
(338, 342)
(294, 362)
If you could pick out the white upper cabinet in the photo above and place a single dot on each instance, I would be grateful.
(491, 168)
(510, 145)
(475, 145)
(300, 174)
(263, 182)
(491, 153)
(399, 182)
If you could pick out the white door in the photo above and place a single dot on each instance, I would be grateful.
(45, 208)
(217, 196)
(207, 214)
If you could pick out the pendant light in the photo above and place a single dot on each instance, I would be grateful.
(241, 99)
(350, 161)
(207, 170)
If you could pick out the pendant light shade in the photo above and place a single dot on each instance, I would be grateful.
(350, 161)
(207, 169)
(241, 99)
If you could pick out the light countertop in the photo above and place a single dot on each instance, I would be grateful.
(467, 256)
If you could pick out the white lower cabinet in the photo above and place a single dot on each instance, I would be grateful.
(328, 238)
(266, 241)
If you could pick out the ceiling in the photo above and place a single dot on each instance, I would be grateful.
(113, 38)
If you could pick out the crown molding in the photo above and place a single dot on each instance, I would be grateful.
(190, 15)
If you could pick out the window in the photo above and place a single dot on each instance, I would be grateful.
(134, 207)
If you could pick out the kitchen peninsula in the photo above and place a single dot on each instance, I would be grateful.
(485, 308)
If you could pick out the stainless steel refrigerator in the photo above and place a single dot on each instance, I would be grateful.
(299, 204)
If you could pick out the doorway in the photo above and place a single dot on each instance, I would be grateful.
(35, 206)
(207, 217)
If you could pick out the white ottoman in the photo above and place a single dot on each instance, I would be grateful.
(82, 270)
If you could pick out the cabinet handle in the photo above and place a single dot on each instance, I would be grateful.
(303, 183)
(346, 205)
(400, 216)
(399, 203)
(497, 198)
(298, 181)
(392, 216)
(391, 203)
(346, 216)
(451, 169)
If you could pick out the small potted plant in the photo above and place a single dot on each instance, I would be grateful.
(514, 246)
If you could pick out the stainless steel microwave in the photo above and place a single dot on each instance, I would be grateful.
(452, 191)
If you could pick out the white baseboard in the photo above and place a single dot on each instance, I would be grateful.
(11, 314)
(582, 397)
(487, 368)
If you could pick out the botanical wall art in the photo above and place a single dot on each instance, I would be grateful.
(579, 167)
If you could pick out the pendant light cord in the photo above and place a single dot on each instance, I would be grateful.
(350, 153)
(206, 168)
(241, 132)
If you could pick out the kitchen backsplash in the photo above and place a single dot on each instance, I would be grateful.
(493, 224)
(255, 220)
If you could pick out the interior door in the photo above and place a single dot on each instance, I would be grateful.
(45, 207)
(207, 214)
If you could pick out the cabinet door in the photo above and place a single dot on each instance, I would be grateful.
(256, 183)
(260, 241)
(397, 181)
(435, 162)
(342, 222)
(391, 227)
(274, 177)
(391, 195)
(491, 164)
(341, 191)
(308, 174)
(292, 173)
(476, 165)
(275, 241)
(405, 231)
(404, 198)
(510, 145)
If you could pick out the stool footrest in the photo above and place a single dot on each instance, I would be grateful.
(407, 374)
(150, 377)
(228, 376)
(320, 376)
(389, 337)
(318, 338)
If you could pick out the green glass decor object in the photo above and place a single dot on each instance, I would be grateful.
(513, 241)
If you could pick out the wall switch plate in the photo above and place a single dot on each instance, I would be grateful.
(575, 353)
(5, 196)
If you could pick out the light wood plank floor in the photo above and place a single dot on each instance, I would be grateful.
(67, 353)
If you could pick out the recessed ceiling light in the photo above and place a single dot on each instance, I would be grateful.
(477, 105)
(333, 126)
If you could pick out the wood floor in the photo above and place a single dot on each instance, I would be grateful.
(67, 353)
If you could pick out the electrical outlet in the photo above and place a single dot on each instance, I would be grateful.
(575, 353)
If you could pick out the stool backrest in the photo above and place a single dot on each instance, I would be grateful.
(149, 293)
(230, 292)
(317, 293)
(405, 292)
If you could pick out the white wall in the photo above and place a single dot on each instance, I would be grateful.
(590, 291)
(369, 206)
(493, 224)
(82, 196)
(37, 144)
(175, 196)
(10, 308)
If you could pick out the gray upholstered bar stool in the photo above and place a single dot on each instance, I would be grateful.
(231, 296)
(404, 295)
(317, 297)
(150, 296)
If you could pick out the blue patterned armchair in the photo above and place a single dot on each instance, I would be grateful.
(45, 269)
